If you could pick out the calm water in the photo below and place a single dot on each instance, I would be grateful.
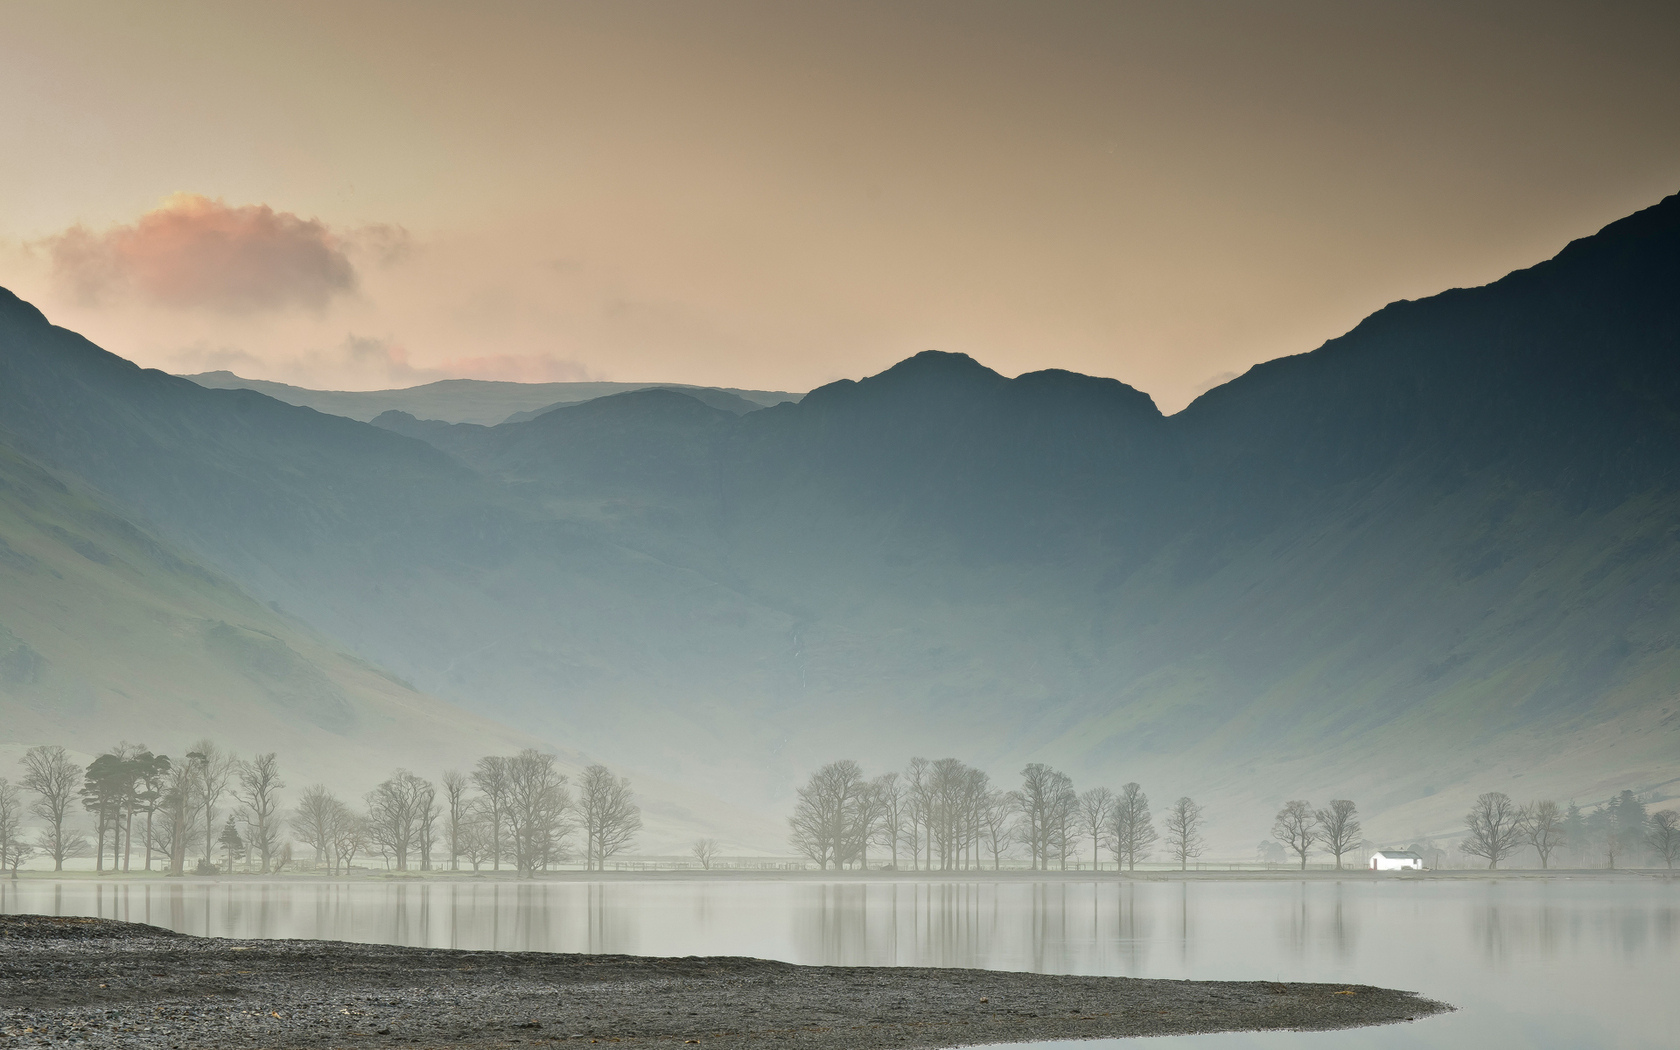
(1583, 963)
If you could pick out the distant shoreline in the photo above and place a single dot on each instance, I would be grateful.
(1359, 875)
(114, 984)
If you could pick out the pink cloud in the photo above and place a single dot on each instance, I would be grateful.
(192, 252)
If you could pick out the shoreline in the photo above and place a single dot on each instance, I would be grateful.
(115, 984)
(1360, 875)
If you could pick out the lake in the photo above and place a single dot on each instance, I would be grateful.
(1572, 963)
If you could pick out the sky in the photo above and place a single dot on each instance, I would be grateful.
(777, 195)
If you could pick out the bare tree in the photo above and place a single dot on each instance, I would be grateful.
(705, 851)
(891, 826)
(996, 823)
(490, 776)
(822, 818)
(1042, 802)
(1096, 810)
(1184, 840)
(13, 850)
(428, 813)
(352, 834)
(396, 820)
(610, 815)
(917, 806)
(474, 834)
(177, 826)
(1495, 826)
(1664, 835)
(948, 787)
(1339, 829)
(1134, 831)
(869, 817)
(537, 807)
(259, 796)
(1542, 827)
(1296, 828)
(214, 770)
(50, 773)
(315, 821)
(455, 799)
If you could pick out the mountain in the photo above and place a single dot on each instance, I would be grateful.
(109, 632)
(1436, 556)
(479, 401)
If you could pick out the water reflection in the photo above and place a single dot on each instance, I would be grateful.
(1580, 957)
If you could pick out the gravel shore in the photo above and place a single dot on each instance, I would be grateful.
(100, 983)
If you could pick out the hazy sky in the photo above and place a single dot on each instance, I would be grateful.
(780, 194)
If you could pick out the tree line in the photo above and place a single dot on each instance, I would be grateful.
(220, 810)
(1620, 828)
(944, 815)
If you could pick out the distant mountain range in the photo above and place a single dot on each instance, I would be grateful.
(1438, 555)
(477, 400)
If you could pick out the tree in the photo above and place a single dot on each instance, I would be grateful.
(1625, 825)
(13, 850)
(1134, 831)
(1096, 809)
(176, 827)
(869, 816)
(1576, 832)
(1542, 827)
(214, 771)
(259, 795)
(705, 851)
(1296, 829)
(490, 776)
(537, 806)
(822, 818)
(49, 772)
(352, 834)
(396, 819)
(995, 823)
(455, 799)
(1184, 840)
(916, 806)
(429, 812)
(105, 788)
(474, 834)
(1043, 802)
(315, 820)
(891, 826)
(1338, 828)
(233, 847)
(1495, 826)
(1664, 834)
(152, 779)
(610, 815)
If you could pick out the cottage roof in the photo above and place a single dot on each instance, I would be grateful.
(1398, 854)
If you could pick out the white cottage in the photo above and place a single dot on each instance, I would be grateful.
(1396, 860)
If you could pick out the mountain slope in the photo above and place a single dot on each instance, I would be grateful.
(480, 401)
(1436, 556)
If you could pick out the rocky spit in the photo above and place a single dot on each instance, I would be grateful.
(99, 983)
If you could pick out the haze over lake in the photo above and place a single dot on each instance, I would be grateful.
(1584, 962)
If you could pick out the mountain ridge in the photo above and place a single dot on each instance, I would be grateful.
(1451, 532)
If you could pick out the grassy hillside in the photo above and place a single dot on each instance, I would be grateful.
(108, 633)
